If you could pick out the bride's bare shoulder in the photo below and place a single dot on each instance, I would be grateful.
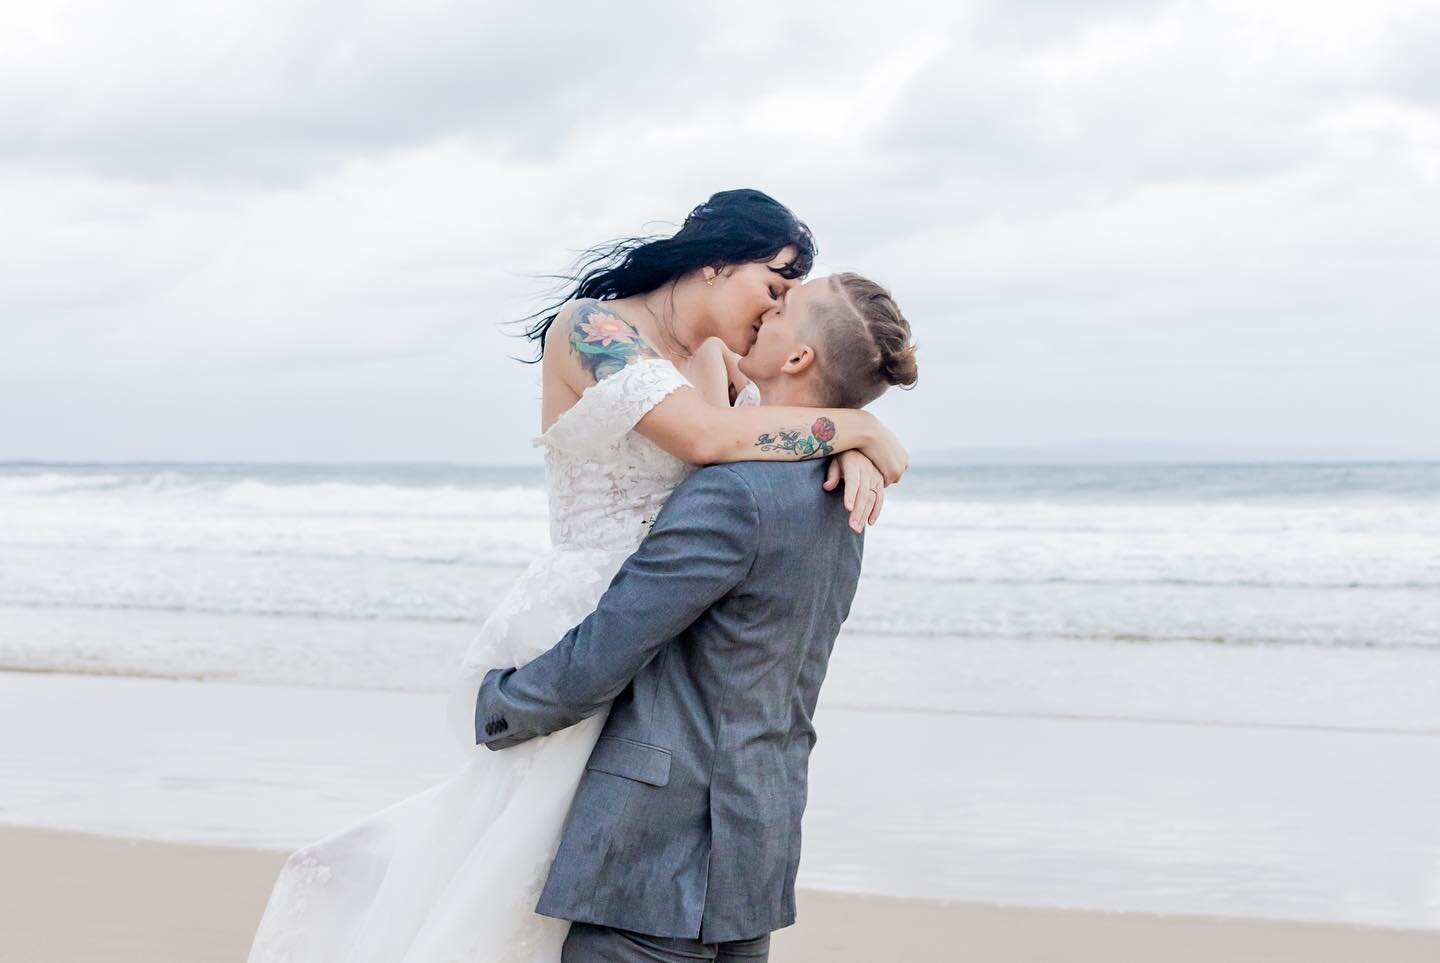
(590, 341)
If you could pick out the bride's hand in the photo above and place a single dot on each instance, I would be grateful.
(864, 486)
(884, 450)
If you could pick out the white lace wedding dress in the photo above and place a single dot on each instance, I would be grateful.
(452, 875)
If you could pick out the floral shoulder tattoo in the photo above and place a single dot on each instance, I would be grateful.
(604, 342)
(813, 442)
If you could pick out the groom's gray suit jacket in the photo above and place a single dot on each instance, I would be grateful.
(712, 641)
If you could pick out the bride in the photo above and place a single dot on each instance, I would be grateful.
(639, 382)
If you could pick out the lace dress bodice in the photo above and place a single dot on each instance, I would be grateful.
(606, 482)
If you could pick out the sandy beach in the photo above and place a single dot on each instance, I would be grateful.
(76, 898)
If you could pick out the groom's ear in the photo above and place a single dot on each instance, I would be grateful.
(800, 360)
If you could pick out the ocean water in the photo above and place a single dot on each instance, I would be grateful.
(1171, 688)
(1291, 555)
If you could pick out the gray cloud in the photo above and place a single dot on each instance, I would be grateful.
(282, 99)
(1413, 71)
(1047, 22)
(294, 232)
(1167, 105)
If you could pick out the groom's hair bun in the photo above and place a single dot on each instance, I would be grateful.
(866, 343)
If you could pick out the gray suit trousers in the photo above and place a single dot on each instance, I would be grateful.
(588, 943)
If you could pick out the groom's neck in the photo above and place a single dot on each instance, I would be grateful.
(787, 390)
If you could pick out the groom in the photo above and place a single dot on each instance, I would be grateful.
(683, 839)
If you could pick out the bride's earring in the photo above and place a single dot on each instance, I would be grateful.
(710, 277)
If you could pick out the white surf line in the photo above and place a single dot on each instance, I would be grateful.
(1094, 717)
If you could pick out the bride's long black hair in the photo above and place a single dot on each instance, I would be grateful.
(732, 227)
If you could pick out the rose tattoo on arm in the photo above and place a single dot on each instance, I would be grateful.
(800, 442)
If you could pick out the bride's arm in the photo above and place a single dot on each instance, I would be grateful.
(690, 428)
(864, 485)
(733, 374)
(602, 343)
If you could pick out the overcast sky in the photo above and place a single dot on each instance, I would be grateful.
(290, 231)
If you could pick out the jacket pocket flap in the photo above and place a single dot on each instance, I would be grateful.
(631, 759)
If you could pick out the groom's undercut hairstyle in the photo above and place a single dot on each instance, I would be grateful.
(864, 343)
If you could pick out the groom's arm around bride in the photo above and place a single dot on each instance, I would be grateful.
(701, 547)
(712, 641)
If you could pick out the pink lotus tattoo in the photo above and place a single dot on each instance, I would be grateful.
(605, 343)
(606, 329)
